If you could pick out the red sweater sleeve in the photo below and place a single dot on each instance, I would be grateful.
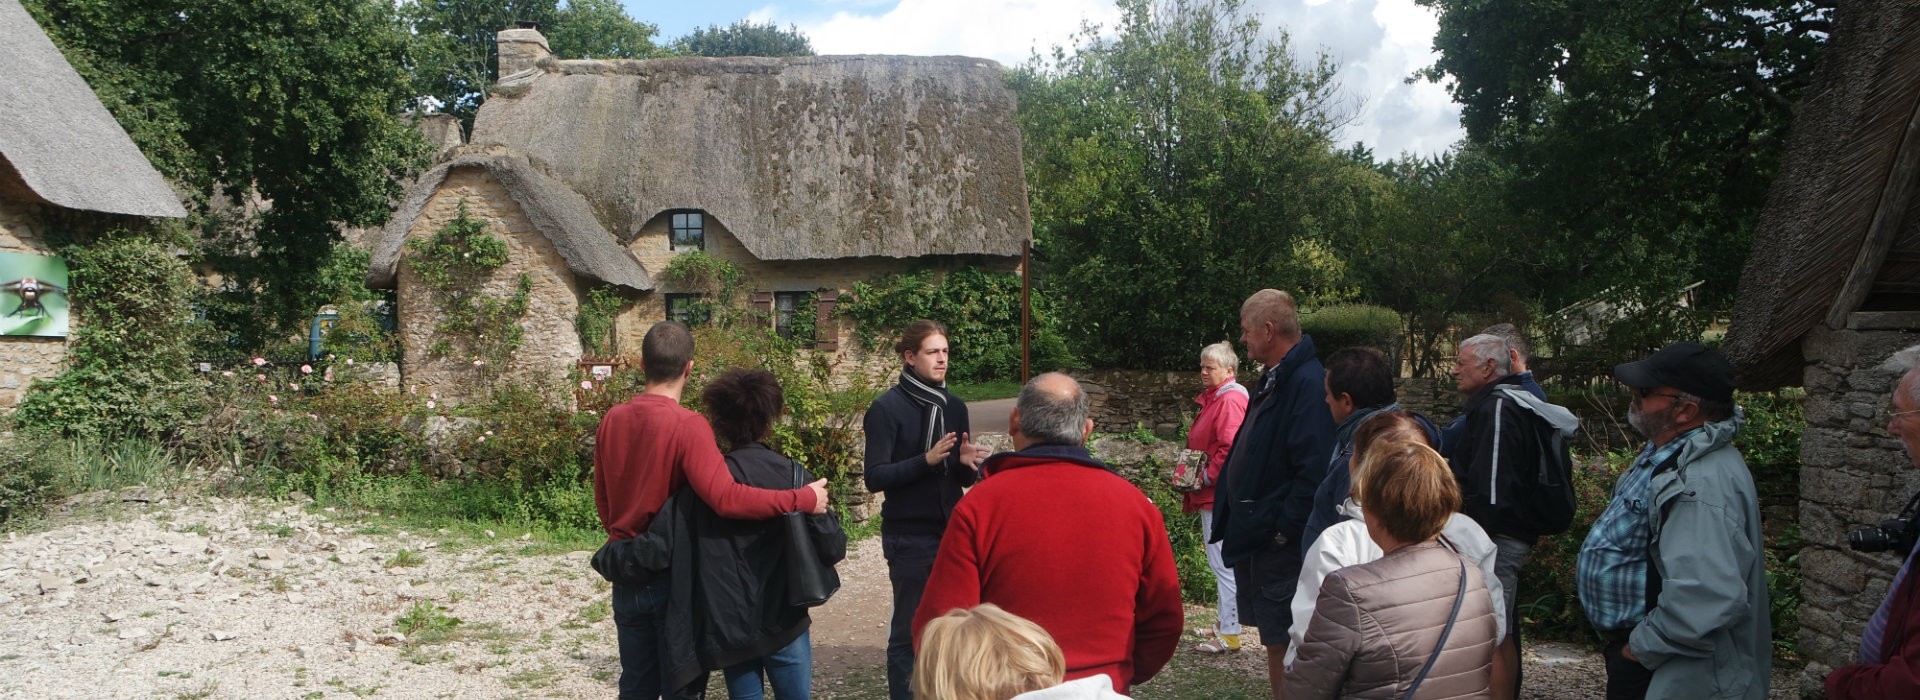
(707, 471)
(1158, 614)
(955, 579)
(1899, 677)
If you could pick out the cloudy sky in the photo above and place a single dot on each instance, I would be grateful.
(1377, 43)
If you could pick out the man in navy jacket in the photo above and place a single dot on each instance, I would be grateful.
(1278, 459)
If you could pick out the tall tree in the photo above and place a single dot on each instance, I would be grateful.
(294, 102)
(744, 38)
(457, 60)
(1644, 132)
(1176, 166)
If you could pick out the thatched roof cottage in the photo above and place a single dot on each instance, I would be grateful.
(808, 173)
(64, 162)
(1831, 289)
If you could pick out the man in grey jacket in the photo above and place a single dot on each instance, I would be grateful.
(1672, 574)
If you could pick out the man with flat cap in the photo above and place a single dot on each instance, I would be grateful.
(1672, 573)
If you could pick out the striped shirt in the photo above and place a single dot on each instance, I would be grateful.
(1612, 574)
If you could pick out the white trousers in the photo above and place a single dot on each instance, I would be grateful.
(1229, 622)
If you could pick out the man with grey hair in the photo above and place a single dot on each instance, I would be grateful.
(1495, 456)
(1054, 536)
(1889, 662)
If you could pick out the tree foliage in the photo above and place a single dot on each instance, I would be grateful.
(745, 38)
(292, 102)
(1177, 166)
(456, 59)
(1642, 134)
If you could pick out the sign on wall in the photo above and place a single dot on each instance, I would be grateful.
(33, 295)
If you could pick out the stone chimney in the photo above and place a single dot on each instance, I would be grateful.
(521, 49)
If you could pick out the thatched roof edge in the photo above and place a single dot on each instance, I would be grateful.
(1845, 135)
(61, 141)
(558, 212)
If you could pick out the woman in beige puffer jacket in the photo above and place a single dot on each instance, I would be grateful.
(1376, 624)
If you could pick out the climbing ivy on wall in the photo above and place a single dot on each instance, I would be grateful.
(595, 320)
(453, 263)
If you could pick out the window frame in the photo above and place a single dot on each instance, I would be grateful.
(783, 318)
(667, 304)
(698, 229)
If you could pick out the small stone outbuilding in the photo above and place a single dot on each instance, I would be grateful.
(1831, 289)
(809, 174)
(66, 167)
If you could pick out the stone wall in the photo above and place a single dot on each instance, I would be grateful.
(1127, 399)
(1852, 473)
(26, 358)
(550, 347)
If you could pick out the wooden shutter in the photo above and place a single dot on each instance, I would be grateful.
(763, 303)
(825, 335)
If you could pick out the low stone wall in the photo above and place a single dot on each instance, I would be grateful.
(1852, 473)
(1127, 399)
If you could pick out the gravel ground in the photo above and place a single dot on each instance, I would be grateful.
(201, 597)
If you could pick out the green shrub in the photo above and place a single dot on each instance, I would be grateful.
(980, 309)
(1189, 548)
(129, 355)
(1549, 599)
(26, 480)
(1353, 325)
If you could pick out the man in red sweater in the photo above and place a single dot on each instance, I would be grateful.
(1054, 536)
(1889, 661)
(647, 449)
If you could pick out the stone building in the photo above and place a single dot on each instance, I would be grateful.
(809, 174)
(1831, 289)
(66, 169)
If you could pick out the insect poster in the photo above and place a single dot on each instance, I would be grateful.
(33, 295)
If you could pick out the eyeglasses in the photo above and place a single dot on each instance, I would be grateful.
(1896, 414)
(1647, 393)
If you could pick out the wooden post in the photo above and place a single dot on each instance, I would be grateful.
(1026, 311)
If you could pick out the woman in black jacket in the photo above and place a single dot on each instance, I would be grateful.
(750, 631)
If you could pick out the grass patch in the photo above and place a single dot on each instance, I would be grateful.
(985, 391)
(406, 558)
(597, 610)
(426, 623)
(536, 678)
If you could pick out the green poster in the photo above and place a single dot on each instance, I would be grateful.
(33, 295)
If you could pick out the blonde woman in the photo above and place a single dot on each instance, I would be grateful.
(986, 653)
(1415, 623)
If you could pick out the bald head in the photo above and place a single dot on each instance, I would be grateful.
(1276, 307)
(1052, 410)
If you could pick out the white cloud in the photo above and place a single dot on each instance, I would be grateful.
(1007, 31)
(1377, 44)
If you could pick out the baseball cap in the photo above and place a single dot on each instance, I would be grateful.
(1687, 366)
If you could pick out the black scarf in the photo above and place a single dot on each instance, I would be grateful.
(932, 400)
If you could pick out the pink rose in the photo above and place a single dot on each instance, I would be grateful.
(273, 399)
(228, 375)
(259, 362)
(306, 369)
(349, 362)
(429, 405)
(586, 384)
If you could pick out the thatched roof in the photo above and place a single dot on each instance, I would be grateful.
(558, 212)
(57, 137)
(801, 158)
(1836, 236)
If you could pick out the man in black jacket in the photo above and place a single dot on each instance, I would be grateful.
(1278, 459)
(920, 456)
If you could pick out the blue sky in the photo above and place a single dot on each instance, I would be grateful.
(1377, 43)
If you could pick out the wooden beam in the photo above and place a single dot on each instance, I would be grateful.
(1883, 321)
(1888, 217)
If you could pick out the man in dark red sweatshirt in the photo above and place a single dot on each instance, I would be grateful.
(647, 449)
(1054, 536)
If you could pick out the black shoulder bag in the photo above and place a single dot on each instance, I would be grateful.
(1444, 631)
(810, 581)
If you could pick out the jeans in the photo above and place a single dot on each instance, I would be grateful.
(1626, 679)
(790, 670)
(639, 619)
(909, 563)
(1228, 621)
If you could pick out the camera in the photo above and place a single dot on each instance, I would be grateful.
(1892, 535)
(1896, 535)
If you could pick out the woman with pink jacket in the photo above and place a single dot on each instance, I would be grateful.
(1223, 404)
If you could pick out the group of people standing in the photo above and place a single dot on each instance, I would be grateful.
(1377, 552)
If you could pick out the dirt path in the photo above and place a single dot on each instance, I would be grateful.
(212, 598)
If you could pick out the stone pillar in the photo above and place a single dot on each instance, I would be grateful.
(521, 50)
(1852, 474)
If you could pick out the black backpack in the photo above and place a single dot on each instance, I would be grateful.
(1547, 507)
